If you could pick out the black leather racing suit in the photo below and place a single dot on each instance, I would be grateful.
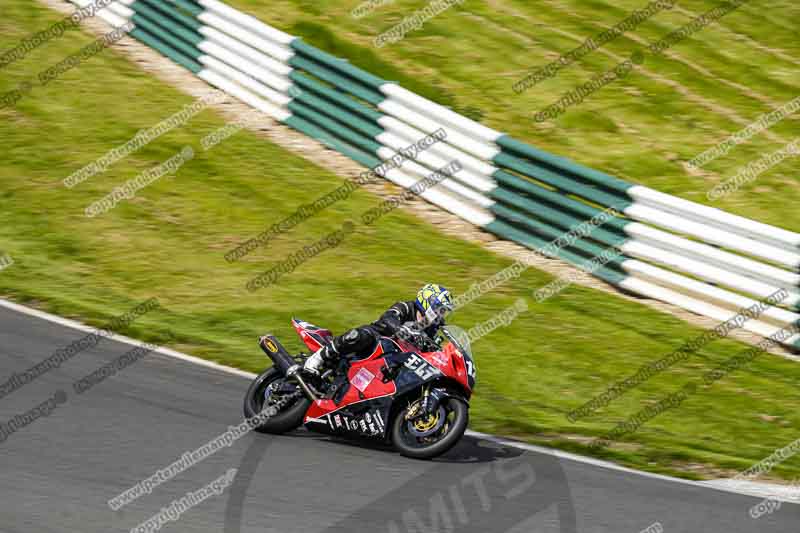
(360, 342)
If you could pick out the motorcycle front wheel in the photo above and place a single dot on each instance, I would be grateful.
(272, 390)
(432, 435)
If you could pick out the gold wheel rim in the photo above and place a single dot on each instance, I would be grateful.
(427, 423)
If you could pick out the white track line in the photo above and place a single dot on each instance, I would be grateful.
(121, 338)
(724, 485)
(746, 488)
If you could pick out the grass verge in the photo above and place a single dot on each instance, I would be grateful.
(168, 242)
(642, 128)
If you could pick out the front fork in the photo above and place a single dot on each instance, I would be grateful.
(429, 403)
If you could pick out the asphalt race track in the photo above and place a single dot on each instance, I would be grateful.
(60, 471)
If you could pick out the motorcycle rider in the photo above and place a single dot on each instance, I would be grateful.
(412, 320)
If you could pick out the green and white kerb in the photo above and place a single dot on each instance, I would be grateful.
(696, 257)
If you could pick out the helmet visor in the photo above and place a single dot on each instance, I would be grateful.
(439, 309)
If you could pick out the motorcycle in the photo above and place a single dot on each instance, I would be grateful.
(416, 400)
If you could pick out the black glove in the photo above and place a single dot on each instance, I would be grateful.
(413, 333)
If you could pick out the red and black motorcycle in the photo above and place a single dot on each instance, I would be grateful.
(414, 398)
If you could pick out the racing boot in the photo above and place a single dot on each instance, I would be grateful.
(317, 361)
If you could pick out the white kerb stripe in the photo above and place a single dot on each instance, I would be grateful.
(479, 148)
(709, 293)
(711, 234)
(119, 9)
(440, 113)
(114, 19)
(242, 41)
(252, 23)
(433, 162)
(246, 81)
(399, 135)
(747, 285)
(650, 290)
(244, 95)
(241, 62)
(436, 196)
(716, 217)
(711, 254)
(451, 184)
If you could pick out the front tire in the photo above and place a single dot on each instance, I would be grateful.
(258, 397)
(456, 413)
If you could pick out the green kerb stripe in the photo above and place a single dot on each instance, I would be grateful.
(549, 231)
(341, 82)
(334, 127)
(192, 9)
(350, 151)
(506, 231)
(528, 194)
(560, 182)
(338, 98)
(336, 63)
(167, 50)
(346, 118)
(166, 36)
(169, 11)
(552, 216)
(519, 148)
(189, 35)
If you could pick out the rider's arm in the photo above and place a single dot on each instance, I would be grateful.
(394, 318)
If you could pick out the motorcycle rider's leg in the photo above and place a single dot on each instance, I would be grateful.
(356, 343)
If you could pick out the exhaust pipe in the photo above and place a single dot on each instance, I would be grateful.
(280, 357)
(284, 363)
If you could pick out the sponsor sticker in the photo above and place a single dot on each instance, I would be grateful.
(362, 379)
(440, 359)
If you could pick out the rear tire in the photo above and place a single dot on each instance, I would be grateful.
(404, 442)
(289, 418)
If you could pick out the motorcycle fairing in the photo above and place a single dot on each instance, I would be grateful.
(412, 370)
(450, 362)
(395, 367)
(313, 336)
(368, 418)
(365, 384)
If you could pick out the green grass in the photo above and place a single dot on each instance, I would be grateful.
(169, 243)
(641, 128)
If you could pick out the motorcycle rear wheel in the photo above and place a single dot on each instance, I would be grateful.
(288, 418)
(456, 415)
